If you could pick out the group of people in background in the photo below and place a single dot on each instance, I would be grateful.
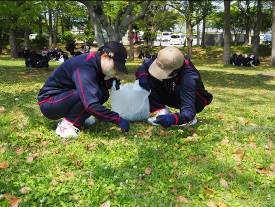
(244, 60)
(34, 59)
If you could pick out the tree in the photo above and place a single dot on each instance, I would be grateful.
(193, 12)
(227, 34)
(159, 17)
(273, 34)
(245, 8)
(18, 16)
(258, 20)
(207, 9)
(114, 25)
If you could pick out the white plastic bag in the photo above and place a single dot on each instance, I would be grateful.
(130, 101)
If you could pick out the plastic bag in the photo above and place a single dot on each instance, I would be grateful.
(130, 101)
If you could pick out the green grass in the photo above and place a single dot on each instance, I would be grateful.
(227, 159)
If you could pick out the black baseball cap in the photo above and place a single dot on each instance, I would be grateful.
(120, 55)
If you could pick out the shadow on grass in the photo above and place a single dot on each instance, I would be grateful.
(231, 80)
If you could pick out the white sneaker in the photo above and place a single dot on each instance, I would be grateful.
(90, 121)
(66, 129)
(152, 119)
(164, 111)
(190, 123)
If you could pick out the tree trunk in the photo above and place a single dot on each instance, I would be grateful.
(247, 24)
(189, 30)
(203, 33)
(62, 23)
(235, 37)
(26, 39)
(247, 32)
(55, 28)
(256, 39)
(50, 28)
(130, 36)
(198, 34)
(227, 35)
(40, 28)
(12, 41)
(118, 28)
(273, 35)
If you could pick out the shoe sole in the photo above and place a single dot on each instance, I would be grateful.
(191, 123)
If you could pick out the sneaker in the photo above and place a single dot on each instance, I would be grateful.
(90, 121)
(152, 119)
(190, 123)
(66, 129)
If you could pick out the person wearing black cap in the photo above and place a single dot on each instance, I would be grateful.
(78, 88)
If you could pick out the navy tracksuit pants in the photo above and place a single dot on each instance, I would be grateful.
(68, 105)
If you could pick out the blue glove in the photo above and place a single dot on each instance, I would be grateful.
(144, 83)
(124, 125)
(167, 120)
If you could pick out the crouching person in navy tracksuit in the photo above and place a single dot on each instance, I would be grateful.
(174, 81)
(78, 88)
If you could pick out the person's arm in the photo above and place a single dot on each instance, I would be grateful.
(87, 87)
(188, 87)
(142, 74)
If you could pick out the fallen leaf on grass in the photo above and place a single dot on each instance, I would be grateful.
(272, 167)
(220, 117)
(44, 143)
(238, 156)
(148, 171)
(243, 121)
(193, 158)
(221, 204)
(91, 147)
(19, 151)
(2, 109)
(270, 171)
(251, 185)
(148, 133)
(4, 165)
(29, 159)
(79, 163)
(181, 200)
(207, 190)
(106, 204)
(12, 200)
(225, 141)
(32, 157)
(252, 145)
(2, 149)
(163, 133)
(269, 145)
(223, 183)
(216, 204)
(115, 128)
(25, 190)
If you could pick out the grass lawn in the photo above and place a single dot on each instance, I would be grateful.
(227, 159)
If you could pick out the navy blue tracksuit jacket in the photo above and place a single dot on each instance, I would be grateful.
(78, 89)
(185, 91)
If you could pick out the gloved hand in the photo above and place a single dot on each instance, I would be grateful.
(124, 125)
(109, 83)
(144, 83)
(167, 120)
